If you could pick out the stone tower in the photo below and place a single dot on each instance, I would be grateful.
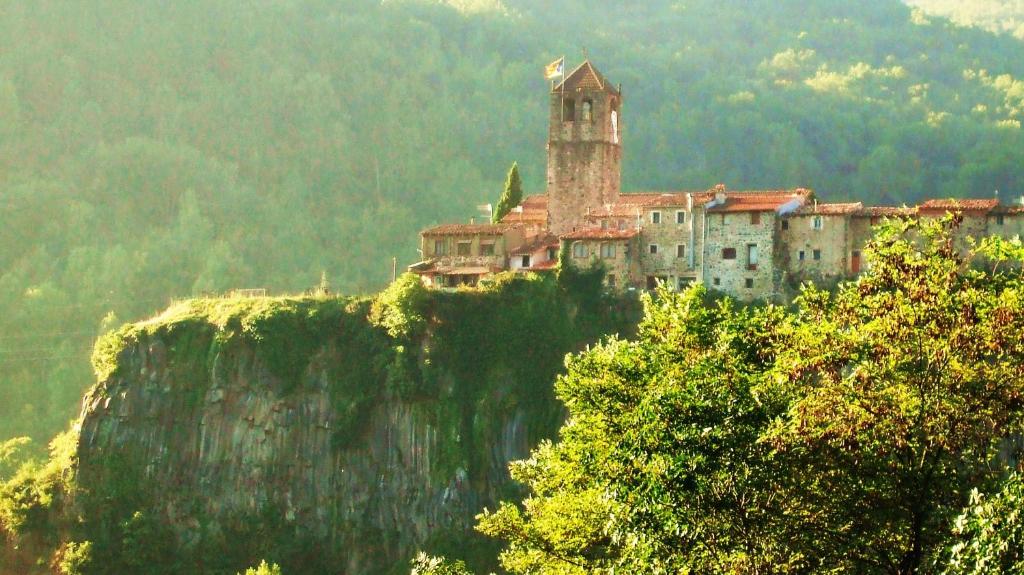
(584, 147)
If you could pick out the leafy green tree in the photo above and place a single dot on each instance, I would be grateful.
(424, 564)
(901, 387)
(842, 437)
(74, 558)
(658, 468)
(991, 533)
(263, 568)
(511, 197)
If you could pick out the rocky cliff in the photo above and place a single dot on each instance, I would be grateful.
(331, 435)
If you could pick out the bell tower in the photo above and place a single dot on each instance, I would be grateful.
(584, 147)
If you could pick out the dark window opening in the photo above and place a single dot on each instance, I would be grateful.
(749, 282)
(999, 220)
(653, 248)
(568, 110)
(681, 250)
(801, 255)
(586, 111)
(716, 281)
(680, 217)
(728, 253)
(785, 224)
(817, 255)
(526, 261)
(487, 249)
(755, 218)
(653, 281)
(463, 248)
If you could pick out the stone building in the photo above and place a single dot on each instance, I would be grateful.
(748, 244)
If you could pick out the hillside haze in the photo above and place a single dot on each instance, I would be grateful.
(157, 150)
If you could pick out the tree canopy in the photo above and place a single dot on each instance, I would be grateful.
(512, 196)
(845, 435)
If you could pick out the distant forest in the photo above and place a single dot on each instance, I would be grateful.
(151, 150)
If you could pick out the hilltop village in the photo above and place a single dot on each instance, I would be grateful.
(748, 244)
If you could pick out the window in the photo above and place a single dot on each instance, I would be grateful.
(817, 255)
(653, 248)
(999, 219)
(526, 261)
(579, 250)
(568, 110)
(716, 281)
(801, 255)
(622, 224)
(440, 248)
(684, 283)
(755, 218)
(680, 251)
(655, 217)
(611, 280)
(462, 248)
(751, 257)
(487, 248)
(785, 224)
(586, 110)
(552, 253)
(680, 217)
(607, 250)
(817, 223)
(749, 282)
(604, 224)
(728, 253)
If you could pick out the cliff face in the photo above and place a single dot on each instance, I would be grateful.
(302, 432)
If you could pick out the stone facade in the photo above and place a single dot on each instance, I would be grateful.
(753, 245)
(615, 250)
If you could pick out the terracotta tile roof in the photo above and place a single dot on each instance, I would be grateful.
(619, 210)
(585, 77)
(829, 209)
(468, 230)
(634, 203)
(760, 201)
(534, 211)
(964, 205)
(599, 234)
(886, 212)
(538, 243)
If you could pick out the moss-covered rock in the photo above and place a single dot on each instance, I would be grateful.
(320, 433)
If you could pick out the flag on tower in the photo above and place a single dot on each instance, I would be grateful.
(555, 69)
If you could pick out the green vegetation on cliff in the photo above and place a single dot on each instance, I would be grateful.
(467, 359)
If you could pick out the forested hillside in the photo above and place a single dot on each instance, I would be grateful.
(995, 15)
(150, 150)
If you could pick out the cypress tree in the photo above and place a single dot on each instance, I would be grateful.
(511, 197)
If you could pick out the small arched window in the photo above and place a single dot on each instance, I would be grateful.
(586, 112)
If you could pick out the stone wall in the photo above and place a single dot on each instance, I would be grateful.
(668, 263)
(623, 266)
(737, 231)
(584, 159)
(821, 255)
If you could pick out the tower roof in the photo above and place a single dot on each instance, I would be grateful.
(585, 77)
